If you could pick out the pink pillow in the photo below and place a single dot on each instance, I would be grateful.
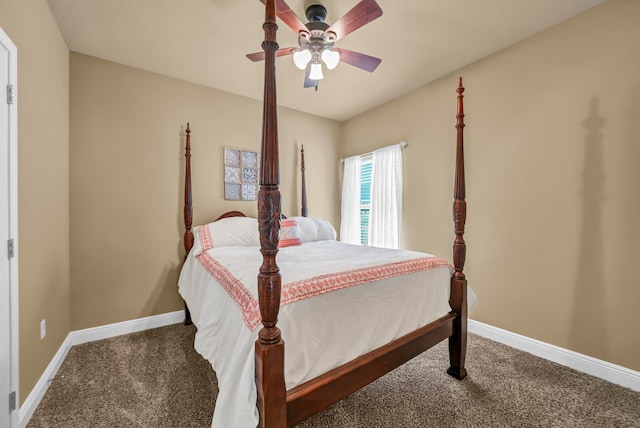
(289, 233)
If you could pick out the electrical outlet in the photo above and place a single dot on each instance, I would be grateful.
(43, 329)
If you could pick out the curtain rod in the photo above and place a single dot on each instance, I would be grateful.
(402, 145)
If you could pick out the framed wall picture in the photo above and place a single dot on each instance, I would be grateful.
(241, 174)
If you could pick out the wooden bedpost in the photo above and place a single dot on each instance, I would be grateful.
(458, 298)
(269, 348)
(188, 211)
(305, 211)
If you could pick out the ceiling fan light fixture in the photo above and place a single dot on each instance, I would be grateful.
(331, 58)
(301, 58)
(316, 71)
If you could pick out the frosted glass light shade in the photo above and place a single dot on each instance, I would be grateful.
(316, 71)
(301, 58)
(330, 58)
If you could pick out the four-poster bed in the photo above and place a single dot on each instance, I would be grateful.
(285, 396)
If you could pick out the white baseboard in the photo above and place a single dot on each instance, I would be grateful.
(125, 327)
(83, 336)
(35, 396)
(583, 363)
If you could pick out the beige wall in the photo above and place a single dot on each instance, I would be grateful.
(552, 167)
(127, 169)
(43, 183)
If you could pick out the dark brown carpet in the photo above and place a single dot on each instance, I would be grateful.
(155, 379)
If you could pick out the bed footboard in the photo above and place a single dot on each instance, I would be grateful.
(317, 394)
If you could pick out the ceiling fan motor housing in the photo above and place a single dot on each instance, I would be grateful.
(318, 38)
(316, 13)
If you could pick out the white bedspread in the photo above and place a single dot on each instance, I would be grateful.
(320, 332)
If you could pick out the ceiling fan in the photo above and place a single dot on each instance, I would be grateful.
(316, 39)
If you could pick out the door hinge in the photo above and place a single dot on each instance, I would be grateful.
(10, 248)
(10, 94)
(12, 401)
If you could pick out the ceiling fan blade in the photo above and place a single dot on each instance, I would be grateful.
(361, 14)
(360, 60)
(259, 56)
(284, 12)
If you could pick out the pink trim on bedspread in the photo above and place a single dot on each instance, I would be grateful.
(232, 285)
(303, 289)
(299, 290)
(206, 242)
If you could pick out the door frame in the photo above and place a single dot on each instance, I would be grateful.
(13, 219)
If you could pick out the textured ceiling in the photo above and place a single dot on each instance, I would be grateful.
(205, 42)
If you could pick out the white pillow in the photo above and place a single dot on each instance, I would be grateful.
(314, 229)
(230, 231)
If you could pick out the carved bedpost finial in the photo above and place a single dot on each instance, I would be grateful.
(460, 114)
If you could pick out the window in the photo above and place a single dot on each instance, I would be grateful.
(372, 198)
(365, 199)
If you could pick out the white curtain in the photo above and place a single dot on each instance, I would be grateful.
(350, 215)
(385, 220)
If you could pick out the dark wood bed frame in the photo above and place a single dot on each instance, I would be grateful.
(277, 406)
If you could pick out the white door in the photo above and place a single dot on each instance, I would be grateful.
(8, 223)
